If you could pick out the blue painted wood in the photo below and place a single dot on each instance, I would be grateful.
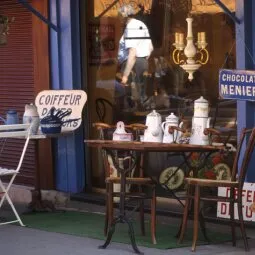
(245, 35)
(38, 14)
(66, 74)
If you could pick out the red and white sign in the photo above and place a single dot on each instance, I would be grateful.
(248, 197)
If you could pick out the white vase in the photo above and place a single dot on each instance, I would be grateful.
(31, 116)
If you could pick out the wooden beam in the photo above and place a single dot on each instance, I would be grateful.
(42, 82)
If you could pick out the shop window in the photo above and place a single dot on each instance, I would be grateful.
(166, 86)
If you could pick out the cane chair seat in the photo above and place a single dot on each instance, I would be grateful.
(133, 180)
(211, 183)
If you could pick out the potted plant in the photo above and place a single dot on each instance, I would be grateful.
(4, 28)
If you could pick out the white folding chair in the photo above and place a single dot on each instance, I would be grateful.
(12, 131)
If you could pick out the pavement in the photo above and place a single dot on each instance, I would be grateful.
(16, 240)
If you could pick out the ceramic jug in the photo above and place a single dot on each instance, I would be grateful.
(11, 118)
(31, 116)
(197, 132)
(153, 132)
(171, 120)
(120, 133)
(200, 121)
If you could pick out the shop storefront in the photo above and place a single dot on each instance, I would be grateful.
(82, 54)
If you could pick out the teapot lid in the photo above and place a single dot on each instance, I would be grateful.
(154, 114)
(201, 100)
(172, 118)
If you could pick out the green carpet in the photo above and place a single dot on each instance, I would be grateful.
(92, 224)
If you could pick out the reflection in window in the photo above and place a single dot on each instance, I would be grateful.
(166, 86)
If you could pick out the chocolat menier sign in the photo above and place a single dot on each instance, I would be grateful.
(237, 84)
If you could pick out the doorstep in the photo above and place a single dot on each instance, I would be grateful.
(20, 194)
(165, 207)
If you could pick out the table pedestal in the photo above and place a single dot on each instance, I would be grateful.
(122, 218)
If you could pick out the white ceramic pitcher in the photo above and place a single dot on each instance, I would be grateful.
(197, 133)
(173, 121)
(153, 132)
(31, 116)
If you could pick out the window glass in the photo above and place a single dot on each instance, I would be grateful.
(154, 80)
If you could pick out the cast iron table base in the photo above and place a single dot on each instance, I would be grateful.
(122, 218)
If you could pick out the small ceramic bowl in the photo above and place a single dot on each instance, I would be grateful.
(51, 128)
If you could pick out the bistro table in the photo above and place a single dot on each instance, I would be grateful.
(133, 148)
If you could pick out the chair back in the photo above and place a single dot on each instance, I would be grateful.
(102, 107)
(106, 130)
(20, 131)
(246, 156)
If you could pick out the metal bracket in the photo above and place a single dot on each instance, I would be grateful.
(38, 14)
(227, 11)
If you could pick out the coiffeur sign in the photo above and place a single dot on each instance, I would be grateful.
(237, 84)
(248, 198)
(73, 100)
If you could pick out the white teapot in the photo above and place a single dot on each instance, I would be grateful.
(171, 120)
(153, 132)
(31, 116)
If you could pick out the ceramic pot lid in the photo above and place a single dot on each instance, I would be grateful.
(154, 114)
(201, 100)
(172, 118)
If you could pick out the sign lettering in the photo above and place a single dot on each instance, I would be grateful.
(237, 84)
(248, 199)
(73, 100)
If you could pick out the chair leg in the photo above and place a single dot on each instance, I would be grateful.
(109, 206)
(6, 196)
(141, 211)
(153, 216)
(196, 217)
(240, 215)
(232, 219)
(202, 225)
(185, 216)
(106, 210)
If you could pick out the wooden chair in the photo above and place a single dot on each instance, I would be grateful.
(194, 186)
(139, 182)
(102, 105)
(225, 121)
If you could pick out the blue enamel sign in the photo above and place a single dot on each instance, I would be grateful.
(237, 84)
